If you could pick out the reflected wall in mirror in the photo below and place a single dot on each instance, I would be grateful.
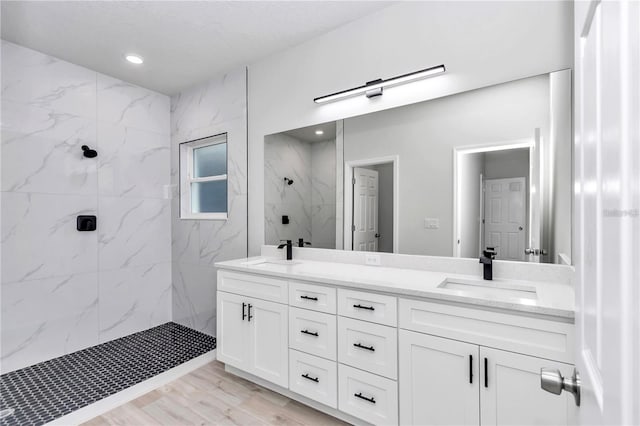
(488, 168)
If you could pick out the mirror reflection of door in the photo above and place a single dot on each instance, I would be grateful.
(504, 217)
(365, 209)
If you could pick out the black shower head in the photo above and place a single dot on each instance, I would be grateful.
(88, 152)
(289, 181)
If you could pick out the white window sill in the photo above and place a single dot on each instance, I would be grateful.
(205, 216)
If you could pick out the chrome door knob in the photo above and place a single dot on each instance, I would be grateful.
(552, 381)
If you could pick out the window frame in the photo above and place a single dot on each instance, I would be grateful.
(185, 152)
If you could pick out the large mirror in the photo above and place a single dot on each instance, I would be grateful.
(484, 169)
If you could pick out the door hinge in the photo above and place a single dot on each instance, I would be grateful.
(353, 228)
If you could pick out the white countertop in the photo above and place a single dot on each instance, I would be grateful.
(541, 298)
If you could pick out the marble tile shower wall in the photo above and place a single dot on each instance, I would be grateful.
(215, 107)
(323, 194)
(64, 290)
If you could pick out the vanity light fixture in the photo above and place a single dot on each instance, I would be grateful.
(319, 132)
(374, 88)
(134, 59)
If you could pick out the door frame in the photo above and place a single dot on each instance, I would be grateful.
(458, 152)
(348, 196)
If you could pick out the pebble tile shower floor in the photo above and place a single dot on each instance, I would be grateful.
(43, 392)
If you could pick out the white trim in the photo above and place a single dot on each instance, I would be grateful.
(473, 149)
(185, 152)
(348, 196)
(109, 403)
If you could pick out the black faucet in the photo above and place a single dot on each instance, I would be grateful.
(302, 242)
(487, 262)
(289, 247)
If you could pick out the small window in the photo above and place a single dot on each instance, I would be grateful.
(203, 178)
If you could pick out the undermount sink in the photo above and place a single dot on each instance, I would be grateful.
(264, 262)
(489, 288)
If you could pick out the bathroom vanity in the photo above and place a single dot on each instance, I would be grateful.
(395, 345)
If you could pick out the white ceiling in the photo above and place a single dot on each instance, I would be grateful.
(308, 134)
(183, 42)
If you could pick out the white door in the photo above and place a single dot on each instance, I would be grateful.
(505, 202)
(607, 205)
(269, 341)
(438, 381)
(510, 392)
(365, 209)
(232, 330)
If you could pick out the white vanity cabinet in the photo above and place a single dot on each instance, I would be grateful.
(253, 333)
(374, 357)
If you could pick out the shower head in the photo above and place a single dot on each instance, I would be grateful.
(289, 181)
(88, 152)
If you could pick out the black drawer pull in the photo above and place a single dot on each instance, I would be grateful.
(310, 333)
(359, 395)
(369, 308)
(361, 346)
(249, 312)
(471, 369)
(244, 306)
(308, 377)
(486, 373)
(315, 299)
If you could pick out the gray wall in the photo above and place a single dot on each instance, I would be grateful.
(212, 108)
(64, 290)
(470, 167)
(424, 135)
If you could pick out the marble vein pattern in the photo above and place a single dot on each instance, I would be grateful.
(134, 299)
(46, 318)
(215, 107)
(55, 279)
(35, 79)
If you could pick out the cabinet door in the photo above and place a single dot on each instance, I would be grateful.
(512, 395)
(439, 381)
(269, 341)
(232, 330)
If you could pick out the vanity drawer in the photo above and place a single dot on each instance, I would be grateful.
(517, 333)
(312, 332)
(311, 296)
(371, 398)
(265, 288)
(313, 377)
(367, 346)
(372, 307)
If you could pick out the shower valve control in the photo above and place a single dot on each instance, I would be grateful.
(86, 223)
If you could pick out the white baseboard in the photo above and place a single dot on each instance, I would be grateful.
(109, 403)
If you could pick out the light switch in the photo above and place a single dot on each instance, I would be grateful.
(431, 223)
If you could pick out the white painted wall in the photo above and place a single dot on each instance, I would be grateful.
(424, 136)
(481, 43)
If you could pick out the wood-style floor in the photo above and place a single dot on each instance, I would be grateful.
(211, 396)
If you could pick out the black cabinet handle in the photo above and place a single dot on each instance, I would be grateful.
(359, 395)
(369, 308)
(313, 379)
(470, 368)
(244, 305)
(486, 373)
(315, 299)
(361, 346)
(249, 310)
(310, 333)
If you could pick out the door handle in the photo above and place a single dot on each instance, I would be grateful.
(486, 373)
(249, 311)
(552, 381)
(244, 305)
(471, 369)
(377, 235)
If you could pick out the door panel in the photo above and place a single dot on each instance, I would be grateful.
(505, 216)
(365, 209)
(232, 330)
(512, 395)
(435, 383)
(269, 341)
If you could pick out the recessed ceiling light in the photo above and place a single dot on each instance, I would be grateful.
(134, 59)
(319, 132)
